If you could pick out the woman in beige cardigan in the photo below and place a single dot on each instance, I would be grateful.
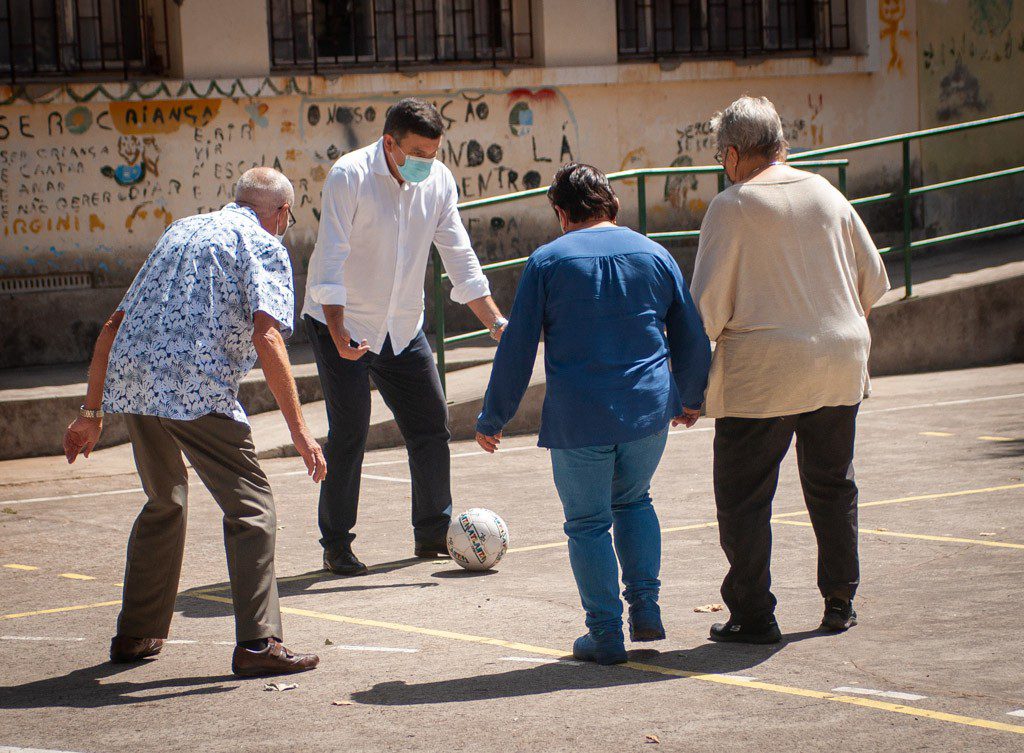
(786, 275)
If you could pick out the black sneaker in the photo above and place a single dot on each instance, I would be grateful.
(839, 615)
(734, 632)
(343, 562)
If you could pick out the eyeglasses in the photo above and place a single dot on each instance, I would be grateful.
(292, 222)
(719, 157)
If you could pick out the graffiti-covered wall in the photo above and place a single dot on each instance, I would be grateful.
(971, 66)
(92, 174)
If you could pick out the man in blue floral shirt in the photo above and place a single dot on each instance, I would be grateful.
(215, 293)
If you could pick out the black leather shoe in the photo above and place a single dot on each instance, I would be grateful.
(735, 632)
(343, 562)
(839, 615)
(431, 550)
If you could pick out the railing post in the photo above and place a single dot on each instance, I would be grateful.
(842, 180)
(439, 315)
(721, 181)
(908, 282)
(641, 200)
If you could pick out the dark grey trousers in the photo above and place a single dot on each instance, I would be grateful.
(411, 388)
(221, 452)
(748, 452)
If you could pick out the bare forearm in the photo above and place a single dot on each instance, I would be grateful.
(100, 359)
(335, 316)
(278, 372)
(486, 310)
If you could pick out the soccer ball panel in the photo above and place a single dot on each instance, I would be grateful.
(477, 539)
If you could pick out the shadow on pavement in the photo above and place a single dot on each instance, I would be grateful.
(84, 689)
(1012, 449)
(712, 658)
(297, 585)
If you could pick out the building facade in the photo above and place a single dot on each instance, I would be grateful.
(119, 116)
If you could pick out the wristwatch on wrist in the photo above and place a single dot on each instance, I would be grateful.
(498, 324)
(84, 412)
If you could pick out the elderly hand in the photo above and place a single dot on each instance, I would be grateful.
(688, 417)
(489, 444)
(311, 453)
(81, 436)
(348, 351)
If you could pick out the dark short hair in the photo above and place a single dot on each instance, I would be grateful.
(412, 115)
(583, 193)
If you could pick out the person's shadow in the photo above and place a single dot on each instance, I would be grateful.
(709, 658)
(296, 585)
(84, 689)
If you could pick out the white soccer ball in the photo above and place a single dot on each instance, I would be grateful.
(477, 539)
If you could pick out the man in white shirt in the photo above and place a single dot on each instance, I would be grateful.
(382, 207)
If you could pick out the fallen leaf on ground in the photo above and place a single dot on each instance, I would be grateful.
(280, 686)
(328, 642)
(986, 533)
(879, 529)
(653, 739)
(342, 703)
(709, 608)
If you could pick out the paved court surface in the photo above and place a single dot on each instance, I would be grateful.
(428, 658)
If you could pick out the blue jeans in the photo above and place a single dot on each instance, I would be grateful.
(606, 489)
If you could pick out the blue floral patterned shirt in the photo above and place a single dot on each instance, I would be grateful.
(186, 339)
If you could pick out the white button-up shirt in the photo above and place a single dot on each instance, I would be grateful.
(373, 245)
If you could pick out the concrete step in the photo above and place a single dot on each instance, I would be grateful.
(37, 403)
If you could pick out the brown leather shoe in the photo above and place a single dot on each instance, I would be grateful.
(275, 659)
(124, 649)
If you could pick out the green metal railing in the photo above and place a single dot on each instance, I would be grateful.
(810, 160)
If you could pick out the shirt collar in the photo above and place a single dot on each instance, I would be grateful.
(244, 211)
(380, 160)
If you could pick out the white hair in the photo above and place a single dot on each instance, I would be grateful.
(264, 189)
(752, 126)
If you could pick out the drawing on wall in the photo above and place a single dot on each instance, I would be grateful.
(892, 13)
(990, 17)
(141, 156)
(959, 93)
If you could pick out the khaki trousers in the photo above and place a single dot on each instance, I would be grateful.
(221, 451)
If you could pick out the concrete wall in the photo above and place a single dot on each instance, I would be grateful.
(92, 173)
(971, 59)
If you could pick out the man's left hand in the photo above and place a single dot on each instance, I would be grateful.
(489, 444)
(81, 436)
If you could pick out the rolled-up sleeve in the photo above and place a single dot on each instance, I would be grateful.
(460, 262)
(714, 275)
(326, 284)
(872, 279)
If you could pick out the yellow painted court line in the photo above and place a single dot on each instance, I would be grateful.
(920, 536)
(996, 439)
(895, 708)
(60, 609)
(76, 576)
(916, 498)
(12, 566)
(935, 434)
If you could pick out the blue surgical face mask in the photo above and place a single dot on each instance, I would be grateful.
(415, 169)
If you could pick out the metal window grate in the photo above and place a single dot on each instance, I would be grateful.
(653, 29)
(62, 38)
(46, 283)
(399, 33)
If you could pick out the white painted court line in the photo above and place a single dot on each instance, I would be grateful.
(742, 678)
(541, 660)
(387, 478)
(380, 649)
(37, 638)
(880, 693)
(1018, 712)
(9, 749)
(965, 401)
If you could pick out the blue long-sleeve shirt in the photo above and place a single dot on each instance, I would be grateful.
(624, 346)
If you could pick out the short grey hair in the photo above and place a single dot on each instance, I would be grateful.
(752, 126)
(264, 189)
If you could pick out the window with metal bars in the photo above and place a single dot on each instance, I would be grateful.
(652, 29)
(47, 38)
(324, 33)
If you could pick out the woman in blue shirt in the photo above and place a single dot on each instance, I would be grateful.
(625, 355)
